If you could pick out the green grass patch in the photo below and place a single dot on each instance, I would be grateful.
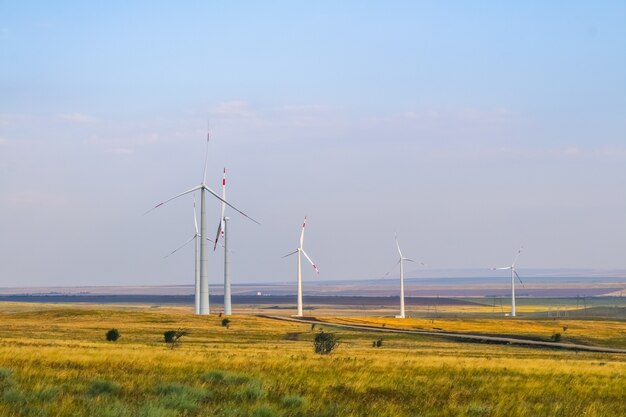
(103, 387)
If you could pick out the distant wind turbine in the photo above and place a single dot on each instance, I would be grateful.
(197, 258)
(513, 275)
(204, 281)
(222, 232)
(299, 251)
(401, 262)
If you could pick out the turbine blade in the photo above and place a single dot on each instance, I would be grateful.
(391, 270)
(179, 195)
(289, 254)
(310, 261)
(227, 203)
(302, 233)
(398, 246)
(504, 267)
(217, 237)
(417, 262)
(520, 280)
(517, 256)
(206, 157)
(195, 219)
(180, 247)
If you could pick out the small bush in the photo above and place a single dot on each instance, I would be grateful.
(565, 328)
(173, 336)
(226, 323)
(102, 387)
(112, 335)
(293, 401)
(556, 337)
(377, 343)
(324, 343)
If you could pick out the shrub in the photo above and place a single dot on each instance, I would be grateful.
(173, 336)
(324, 343)
(377, 343)
(112, 335)
(101, 386)
(556, 337)
(226, 323)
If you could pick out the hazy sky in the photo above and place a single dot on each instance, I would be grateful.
(469, 128)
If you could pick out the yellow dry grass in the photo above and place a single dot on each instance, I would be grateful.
(54, 361)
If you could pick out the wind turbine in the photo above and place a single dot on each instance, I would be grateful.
(221, 232)
(300, 251)
(204, 281)
(197, 258)
(513, 275)
(401, 262)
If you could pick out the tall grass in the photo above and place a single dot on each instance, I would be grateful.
(252, 369)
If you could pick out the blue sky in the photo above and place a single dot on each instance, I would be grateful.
(469, 128)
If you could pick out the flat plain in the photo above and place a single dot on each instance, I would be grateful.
(55, 361)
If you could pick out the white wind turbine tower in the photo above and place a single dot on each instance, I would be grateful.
(204, 281)
(401, 262)
(300, 251)
(513, 275)
(222, 232)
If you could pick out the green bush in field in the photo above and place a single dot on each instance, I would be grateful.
(173, 336)
(325, 343)
(226, 323)
(112, 335)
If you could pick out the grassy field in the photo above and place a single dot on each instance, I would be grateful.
(54, 361)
